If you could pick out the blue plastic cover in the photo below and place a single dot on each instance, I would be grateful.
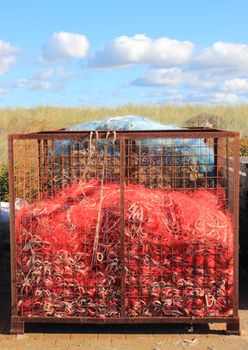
(189, 151)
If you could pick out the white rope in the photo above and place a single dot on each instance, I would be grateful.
(96, 240)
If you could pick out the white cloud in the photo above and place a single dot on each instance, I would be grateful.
(140, 49)
(177, 96)
(64, 45)
(223, 98)
(214, 98)
(44, 79)
(172, 76)
(162, 77)
(238, 85)
(4, 91)
(33, 84)
(61, 73)
(44, 85)
(7, 56)
(51, 73)
(201, 82)
(217, 74)
(44, 74)
(191, 97)
(222, 56)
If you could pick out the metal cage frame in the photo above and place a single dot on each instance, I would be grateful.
(232, 323)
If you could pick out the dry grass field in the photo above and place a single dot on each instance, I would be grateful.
(21, 120)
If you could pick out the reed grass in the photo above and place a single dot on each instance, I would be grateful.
(22, 120)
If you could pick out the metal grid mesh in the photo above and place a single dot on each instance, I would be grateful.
(142, 278)
(176, 282)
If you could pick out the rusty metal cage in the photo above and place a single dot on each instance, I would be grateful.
(124, 271)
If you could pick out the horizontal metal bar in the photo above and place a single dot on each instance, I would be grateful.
(124, 320)
(194, 129)
(133, 134)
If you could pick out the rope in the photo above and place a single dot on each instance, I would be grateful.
(96, 240)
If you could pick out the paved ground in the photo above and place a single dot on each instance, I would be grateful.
(144, 339)
(75, 337)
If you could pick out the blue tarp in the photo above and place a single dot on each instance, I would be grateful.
(128, 122)
(187, 151)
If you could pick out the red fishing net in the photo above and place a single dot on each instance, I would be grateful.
(175, 259)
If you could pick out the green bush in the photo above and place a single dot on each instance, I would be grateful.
(4, 195)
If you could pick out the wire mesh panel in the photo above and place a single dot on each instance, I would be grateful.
(67, 260)
(179, 233)
(124, 226)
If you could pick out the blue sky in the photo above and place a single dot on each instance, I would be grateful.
(92, 53)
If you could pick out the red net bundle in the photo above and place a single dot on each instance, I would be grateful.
(177, 258)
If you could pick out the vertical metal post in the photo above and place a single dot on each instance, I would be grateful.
(227, 177)
(216, 162)
(70, 162)
(122, 222)
(45, 185)
(12, 225)
(39, 170)
(236, 224)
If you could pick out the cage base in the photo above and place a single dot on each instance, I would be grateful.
(17, 327)
(233, 328)
(232, 324)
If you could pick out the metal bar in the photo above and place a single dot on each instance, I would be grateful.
(202, 133)
(216, 168)
(227, 179)
(236, 225)
(45, 165)
(182, 130)
(12, 224)
(122, 222)
(127, 320)
(39, 170)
